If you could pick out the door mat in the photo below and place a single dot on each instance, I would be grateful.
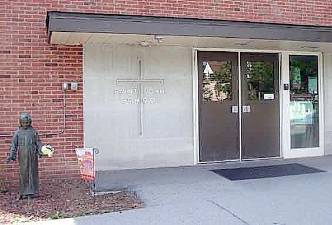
(247, 173)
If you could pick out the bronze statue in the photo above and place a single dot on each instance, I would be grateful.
(27, 144)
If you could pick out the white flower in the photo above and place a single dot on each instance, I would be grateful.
(47, 150)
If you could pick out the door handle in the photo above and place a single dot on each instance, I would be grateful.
(246, 109)
(235, 109)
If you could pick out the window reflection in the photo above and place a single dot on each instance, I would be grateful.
(260, 80)
(217, 81)
(304, 101)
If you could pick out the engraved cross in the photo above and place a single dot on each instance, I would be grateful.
(140, 81)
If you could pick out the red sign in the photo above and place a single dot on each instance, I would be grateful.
(86, 162)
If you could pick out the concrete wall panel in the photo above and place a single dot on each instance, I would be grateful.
(328, 102)
(112, 114)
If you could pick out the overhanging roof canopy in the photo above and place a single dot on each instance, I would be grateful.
(148, 25)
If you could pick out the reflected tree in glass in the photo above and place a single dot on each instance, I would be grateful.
(217, 81)
(260, 79)
(304, 101)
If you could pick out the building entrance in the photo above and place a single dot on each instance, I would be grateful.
(239, 111)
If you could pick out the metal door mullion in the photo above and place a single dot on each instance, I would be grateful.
(240, 104)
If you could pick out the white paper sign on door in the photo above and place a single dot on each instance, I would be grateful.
(268, 96)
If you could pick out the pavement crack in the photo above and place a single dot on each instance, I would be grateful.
(228, 211)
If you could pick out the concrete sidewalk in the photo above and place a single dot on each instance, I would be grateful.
(197, 196)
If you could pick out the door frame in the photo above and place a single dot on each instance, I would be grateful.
(288, 152)
(284, 126)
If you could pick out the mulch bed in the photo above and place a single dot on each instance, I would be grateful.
(62, 199)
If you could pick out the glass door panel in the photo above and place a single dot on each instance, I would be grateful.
(304, 101)
(217, 81)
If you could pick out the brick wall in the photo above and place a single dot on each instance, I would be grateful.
(32, 71)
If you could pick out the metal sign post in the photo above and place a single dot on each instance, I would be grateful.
(95, 151)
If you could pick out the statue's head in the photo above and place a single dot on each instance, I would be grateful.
(25, 120)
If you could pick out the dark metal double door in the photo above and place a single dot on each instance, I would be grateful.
(238, 106)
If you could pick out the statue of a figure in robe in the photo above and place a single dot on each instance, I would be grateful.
(27, 144)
